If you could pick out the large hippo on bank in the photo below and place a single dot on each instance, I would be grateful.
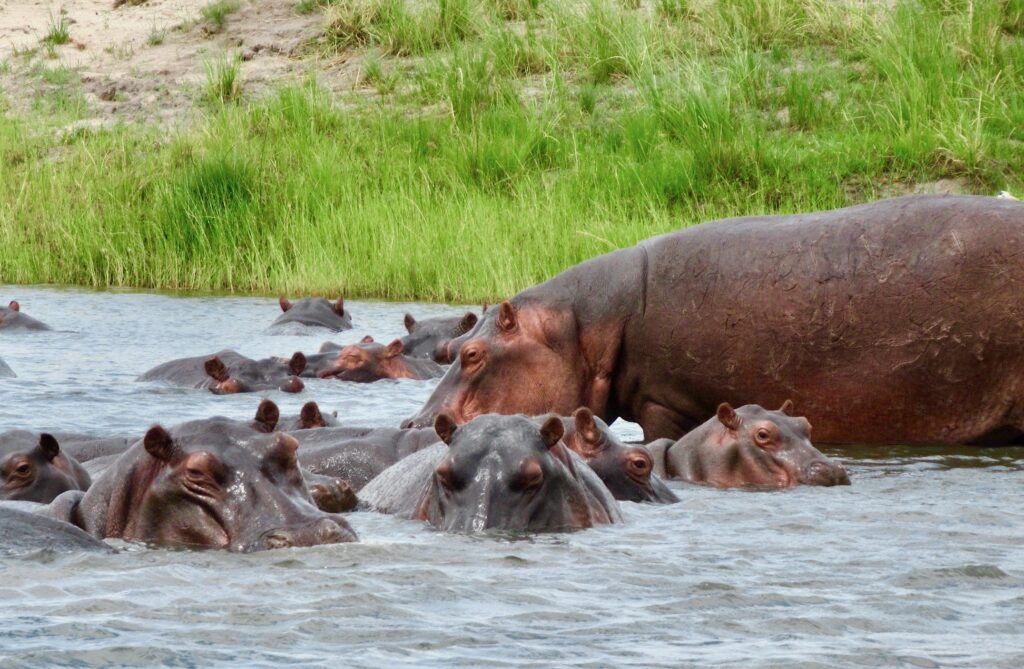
(749, 446)
(207, 483)
(11, 318)
(5, 371)
(311, 312)
(496, 473)
(367, 362)
(227, 372)
(429, 338)
(898, 321)
(33, 468)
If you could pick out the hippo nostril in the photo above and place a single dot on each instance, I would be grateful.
(330, 532)
(827, 474)
(278, 540)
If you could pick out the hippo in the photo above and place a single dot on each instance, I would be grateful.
(627, 471)
(11, 318)
(227, 372)
(748, 447)
(205, 484)
(369, 362)
(33, 468)
(5, 371)
(495, 473)
(429, 337)
(891, 322)
(325, 358)
(311, 312)
(26, 532)
(310, 418)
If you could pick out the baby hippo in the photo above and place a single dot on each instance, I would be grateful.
(11, 318)
(749, 446)
(33, 469)
(312, 312)
(366, 362)
(429, 337)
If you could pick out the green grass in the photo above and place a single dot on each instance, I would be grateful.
(58, 31)
(223, 79)
(216, 12)
(520, 138)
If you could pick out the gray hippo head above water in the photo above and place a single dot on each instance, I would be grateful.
(11, 318)
(312, 312)
(33, 468)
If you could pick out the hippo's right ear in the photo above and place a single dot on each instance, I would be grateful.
(339, 306)
(552, 430)
(14, 306)
(507, 317)
(285, 304)
(587, 428)
(49, 446)
(467, 323)
(445, 427)
(728, 417)
(159, 444)
(368, 339)
(267, 415)
(410, 323)
(310, 416)
(787, 407)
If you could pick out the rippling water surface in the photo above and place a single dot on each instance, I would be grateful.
(920, 563)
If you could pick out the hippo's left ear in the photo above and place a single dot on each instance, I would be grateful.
(297, 363)
(394, 349)
(506, 317)
(267, 415)
(49, 446)
(282, 452)
(368, 339)
(445, 427)
(410, 323)
(159, 444)
(310, 416)
(728, 417)
(787, 407)
(339, 306)
(14, 306)
(285, 304)
(552, 431)
(586, 427)
(467, 323)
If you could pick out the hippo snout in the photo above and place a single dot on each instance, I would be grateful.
(324, 531)
(825, 473)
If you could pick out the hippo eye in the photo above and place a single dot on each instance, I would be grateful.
(23, 469)
(638, 465)
(471, 356)
(196, 474)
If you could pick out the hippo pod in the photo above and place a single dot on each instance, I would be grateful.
(33, 468)
(369, 361)
(5, 371)
(429, 338)
(749, 446)
(11, 318)
(627, 471)
(208, 483)
(893, 322)
(495, 473)
(228, 372)
(312, 312)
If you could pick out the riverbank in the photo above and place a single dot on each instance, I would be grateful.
(461, 151)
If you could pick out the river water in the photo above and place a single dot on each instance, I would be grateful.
(920, 563)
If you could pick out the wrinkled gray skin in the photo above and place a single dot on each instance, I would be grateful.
(85, 447)
(497, 473)
(429, 337)
(748, 447)
(312, 312)
(242, 374)
(5, 371)
(12, 319)
(23, 532)
(357, 455)
(205, 484)
(33, 468)
(627, 471)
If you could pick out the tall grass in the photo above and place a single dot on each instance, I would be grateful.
(504, 152)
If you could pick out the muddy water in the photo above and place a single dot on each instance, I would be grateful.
(920, 563)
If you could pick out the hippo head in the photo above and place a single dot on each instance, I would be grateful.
(519, 359)
(627, 471)
(208, 490)
(34, 470)
(316, 312)
(752, 446)
(431, 337)
(368, 361)
(503, 473)
(223, 382)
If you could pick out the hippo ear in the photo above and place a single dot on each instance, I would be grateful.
(728, 417)
(49, 446)
(267, 415)
(394, 349)
(159, 444)
(216, 369)
(445, 427)
(368, 339)
(339, 306)
(285, 304)
(587, 428)
(14, 306)
(297, 364)
(507, 317)
(282, 452)
(787, 407)
(552, 431)
(467, 323)
(310, 416)
(410, 323)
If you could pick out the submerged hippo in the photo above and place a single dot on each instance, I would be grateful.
(5, 371)
(11, 318)
(496, 472)
(429, 337)
(366, 362)
(310, 418)
(357, 455)
(312, 312)
(227, 372)
(23, 532)
(890, 322)
(207, 484)
(33, 468)
(748, 446)
(627, 471)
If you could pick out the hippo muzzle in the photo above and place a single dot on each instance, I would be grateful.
(824, 473)
(323, 531)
